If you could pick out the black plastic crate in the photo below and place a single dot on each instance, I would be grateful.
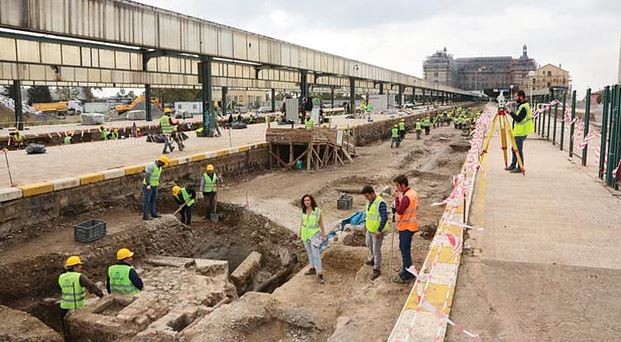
(89, 231)
(345, 202)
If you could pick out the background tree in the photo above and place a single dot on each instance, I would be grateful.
(39, 94)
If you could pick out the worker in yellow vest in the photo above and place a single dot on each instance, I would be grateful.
(122, 277)
(168, 126)
(186, 197)
(401, 129)
(523, 125)
(406, 204)
(151, 183)
(308, 122)
(312, 233)
(73, 285)
(375, 222)
(394, 136)
(418, 129)
(209, 188)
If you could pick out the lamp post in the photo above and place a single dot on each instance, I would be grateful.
(511, 88)
(531, 78)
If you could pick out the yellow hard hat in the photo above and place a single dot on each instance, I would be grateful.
(72, 261)
(167, 110)
(396, 126)
(164, 160)
(124, 253)
(402, 120)
(210, 167)
(176, 190)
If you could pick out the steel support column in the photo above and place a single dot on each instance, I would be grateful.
(223, 103)
(273, 100)
(209, 119)
(303, 86)
(19, 112)
(400, 95)
(332, 97)
(381, 88)
(147, 90)
(352, 96)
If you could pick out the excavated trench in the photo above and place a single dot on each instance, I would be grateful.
(36, 261)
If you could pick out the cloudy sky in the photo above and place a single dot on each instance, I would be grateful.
(581, 35)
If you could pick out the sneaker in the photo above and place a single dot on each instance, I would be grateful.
(147, 218)
(310, 271)
(156, 216)
(172, 148)
(398, 280)
(369, 262)
(516, 170)
(376, 273)
(509, 168)
(320, 277)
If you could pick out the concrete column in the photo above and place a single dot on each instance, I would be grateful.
(224, 103)
(381, 89)
(273, 100)
(332, 96)
(413, 94)
(208, 112)
(303, 85)
(400, 95)
(352, 96)
(19, 112)
(147, 91)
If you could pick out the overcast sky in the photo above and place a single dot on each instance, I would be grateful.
(581, 35)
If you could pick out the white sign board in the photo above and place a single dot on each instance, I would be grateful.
(379, 102)
(291, 109)
(315, 115)
(339, 138)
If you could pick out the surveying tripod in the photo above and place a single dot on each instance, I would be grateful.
(505, 130)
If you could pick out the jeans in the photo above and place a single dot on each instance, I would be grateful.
(418, 134)
(210, 203)
(186, 215)
(405, 246)
(374, 244)
(314, 256)
(168, 143)
(395, 142)
(148, 203)
(519, 141)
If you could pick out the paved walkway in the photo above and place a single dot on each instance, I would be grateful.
(547, 265)
(72, 160)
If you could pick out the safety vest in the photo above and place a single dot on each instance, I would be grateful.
(370, 107)
(187, 199)
(209, 184)
(373, 215)
(310, 224)
(104, 133)
(154, 180)
(120, 282)
(527, 125)
(68, 140)
(363, 107)
(407, 220)
(165, 124)
(418, 126)
(402, 126)
(395, 132)
(309, 123)
(426, 122)
(73, 293)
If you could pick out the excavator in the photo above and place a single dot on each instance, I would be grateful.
(122, 108)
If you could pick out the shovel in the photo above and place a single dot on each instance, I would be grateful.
(214, 215)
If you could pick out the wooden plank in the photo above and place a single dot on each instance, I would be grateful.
(346, 154)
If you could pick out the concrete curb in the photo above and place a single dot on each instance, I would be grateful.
(436, 284)
(39, 188)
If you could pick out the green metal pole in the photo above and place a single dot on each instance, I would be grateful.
(543, 117)
(555, 123)
(563, 119)
(613, 155)
(614, 112)
(573, 124)
(602, 145)
(587, 121)
(209, 117)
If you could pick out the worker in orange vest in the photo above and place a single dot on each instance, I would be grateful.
(406, 202)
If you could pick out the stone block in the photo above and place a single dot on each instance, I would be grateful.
(212, 268)
(134, 169)
(113, 173)
(170, 261)
(65, 183)
(246, 270)
(183, 160)
(36, 189)
(8, 194)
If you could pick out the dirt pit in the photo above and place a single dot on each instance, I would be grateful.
(260, 214)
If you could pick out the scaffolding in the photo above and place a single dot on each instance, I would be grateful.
(316, 148)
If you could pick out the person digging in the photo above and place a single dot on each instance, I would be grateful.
(186, 198)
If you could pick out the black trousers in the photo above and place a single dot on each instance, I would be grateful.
(210, 203)
(186, 215)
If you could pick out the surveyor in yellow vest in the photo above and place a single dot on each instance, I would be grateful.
(375, 223)
(185, 197)
(312, 233)
(209, 188)
(418, 129)
(394, 136)
(308, 122)
(151, 183)
(73, 285)
(122, 277)
(68, 138)
(523, 125)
